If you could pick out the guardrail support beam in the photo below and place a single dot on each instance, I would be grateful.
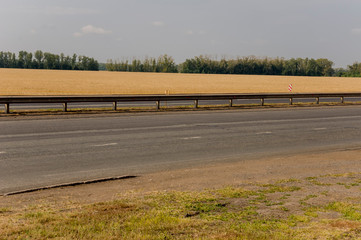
(65, 100)
(157, 105)
(65, 107)
(7, 108)
(115, 105)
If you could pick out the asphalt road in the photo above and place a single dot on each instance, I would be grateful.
(172, 103)
(41, 152)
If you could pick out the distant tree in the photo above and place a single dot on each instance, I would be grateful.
(40, 60)
(102, 67)
(13, 61)
(49, 61)
(353, 70)
(67, 63)
(74, 62)
(93, 65)
(325, 67)
(340, 72)
(29, 60)
(21, 59)
(7, 59)
(2, 61)
(56, 61)
(39, 55)
(166, 63)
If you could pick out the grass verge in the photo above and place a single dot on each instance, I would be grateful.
(318, 207)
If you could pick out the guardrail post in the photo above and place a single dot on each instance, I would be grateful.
(65, 107)
(317, 100)
(342, 100)
(291, 101)
(115, 106)
(196, 103)
(7, 108)
(262, 101)
(231, 102)
(157, 105)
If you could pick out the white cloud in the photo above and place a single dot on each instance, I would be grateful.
(158, 23)
(90, 29)
(189, 32)
(356, 31)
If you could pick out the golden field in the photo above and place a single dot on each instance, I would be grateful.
(53, 82)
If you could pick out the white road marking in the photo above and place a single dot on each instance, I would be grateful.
(261, 133)
(319, 129)
(105, 144)
(189, 138)
(2, 152)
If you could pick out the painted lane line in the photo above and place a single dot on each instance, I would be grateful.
(262, 133)
(106, 144)
(189, 138)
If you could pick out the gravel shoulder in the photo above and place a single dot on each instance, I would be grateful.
(240, 173)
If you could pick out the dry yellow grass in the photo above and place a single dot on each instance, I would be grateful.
(52, 82)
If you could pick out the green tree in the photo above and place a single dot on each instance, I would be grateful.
(39, 56)
(29, 60)
(74, 65)
(21, 59)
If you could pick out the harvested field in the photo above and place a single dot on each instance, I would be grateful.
(52, 82)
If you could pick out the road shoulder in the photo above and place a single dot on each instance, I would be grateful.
(198, 178)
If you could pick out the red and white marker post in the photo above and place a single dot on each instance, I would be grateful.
(290, 87)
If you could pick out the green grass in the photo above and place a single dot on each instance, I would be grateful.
(348, 210)
(4, 210)
(280, 210)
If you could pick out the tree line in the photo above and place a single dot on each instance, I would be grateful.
(163, 63)
(259, 66)
(199, 64)
(46, 60)
(353, 70)
(246, 65)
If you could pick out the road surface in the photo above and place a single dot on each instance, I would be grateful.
(41, 152)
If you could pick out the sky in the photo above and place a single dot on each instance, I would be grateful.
(124, 29)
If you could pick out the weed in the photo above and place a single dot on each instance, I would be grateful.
(4, 210)
(267, 212)
(284, 209)
(291, 180)
(272, 188)
(348, 210)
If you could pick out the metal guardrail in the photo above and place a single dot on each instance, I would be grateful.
(7, 100)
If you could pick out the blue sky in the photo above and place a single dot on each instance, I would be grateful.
(117, 29)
